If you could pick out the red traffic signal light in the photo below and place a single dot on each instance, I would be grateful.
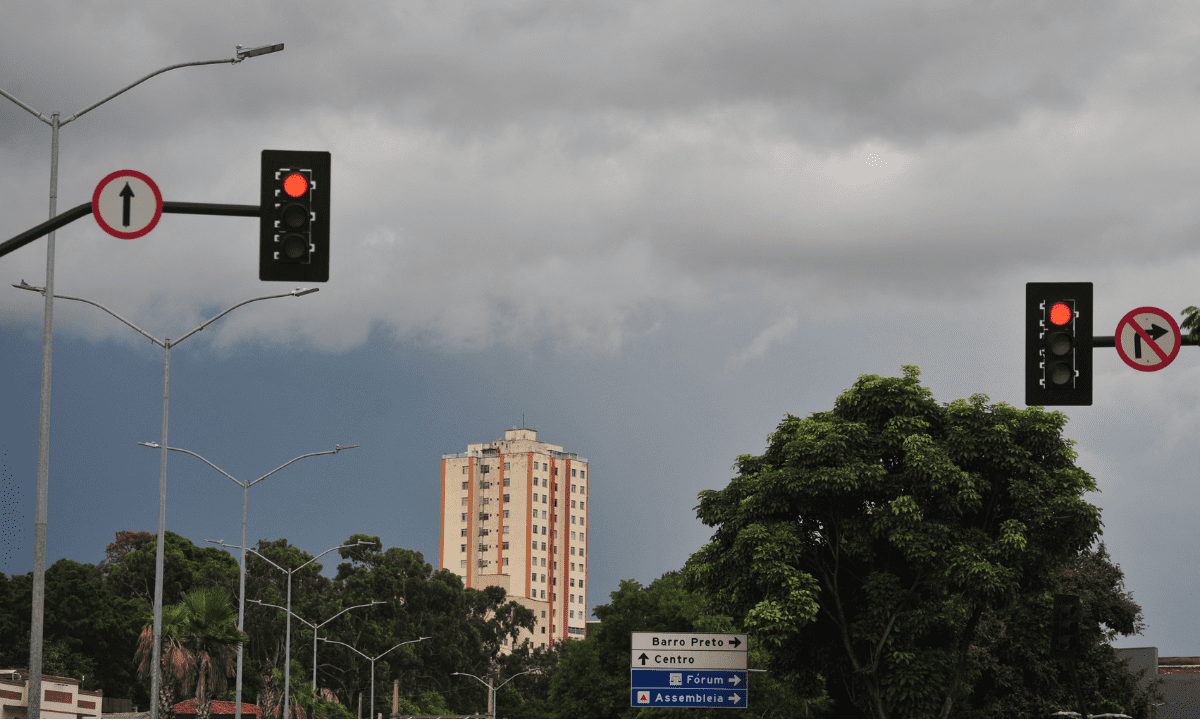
(1058, 343)
(294, 216)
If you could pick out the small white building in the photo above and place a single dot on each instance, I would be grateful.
(61, 696)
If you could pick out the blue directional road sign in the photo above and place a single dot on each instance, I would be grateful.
(688, 688)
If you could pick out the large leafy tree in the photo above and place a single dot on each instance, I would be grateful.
(129, 567)
(1019, 680)
(868, 542)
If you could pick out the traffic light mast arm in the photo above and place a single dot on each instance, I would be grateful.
(70, 216)
(1109, 341)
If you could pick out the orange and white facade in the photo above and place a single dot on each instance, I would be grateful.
(514, 514)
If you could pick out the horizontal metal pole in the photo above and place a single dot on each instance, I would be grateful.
(1109, 341)
(45, 228)
(70, 216)
(190, 208)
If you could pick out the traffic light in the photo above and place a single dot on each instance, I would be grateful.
(1058, 343)
(1064, 625)
(293, 242)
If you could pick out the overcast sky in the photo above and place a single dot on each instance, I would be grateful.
(649, 229)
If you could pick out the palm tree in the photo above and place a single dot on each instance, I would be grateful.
(211, 636)
(177, 663)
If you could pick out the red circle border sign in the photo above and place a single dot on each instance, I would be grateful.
(158, 204)
(1152, 345)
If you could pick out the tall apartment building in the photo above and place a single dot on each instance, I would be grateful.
(514, 514)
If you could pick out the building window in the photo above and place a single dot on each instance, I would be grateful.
(580, 504)
(464, 472)
(543, 529)
(505, 514)
(464, 532)
(543, 632)
(535, 529)
(545, 466)
(505, 544)
(507, 482)
(543, 597)
(533, 577)
(572, 475)
(543, 514)
(581, 521)
(506, 465)
(505, 529)
(572, 567)
(572, 519)
(572, 549)
(543, 578)
(462, 564)
(571, 613)
(464, 548)
(505, 561)
(464, 517)
(572, 487)
(533, 546)
(543, 547)
(543, 560)
(464, 501)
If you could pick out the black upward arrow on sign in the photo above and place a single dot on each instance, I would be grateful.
(643, 657)
(127, 195)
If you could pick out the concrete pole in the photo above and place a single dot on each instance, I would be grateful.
(395, 697)
(156, 662)
(43, 479)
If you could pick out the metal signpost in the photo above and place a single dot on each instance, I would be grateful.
(688, 670)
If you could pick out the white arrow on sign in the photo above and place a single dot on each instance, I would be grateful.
(127, 204)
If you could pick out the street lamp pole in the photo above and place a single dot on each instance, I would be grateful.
(371, 712)
(492, 690)
(43, 485)
(316, 628)
(166, 344)
(287, 651)
(245, 491)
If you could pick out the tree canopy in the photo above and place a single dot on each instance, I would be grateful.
(871, 542)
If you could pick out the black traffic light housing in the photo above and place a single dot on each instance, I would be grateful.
(1058, 343)
(1064, 626)
(293, 243)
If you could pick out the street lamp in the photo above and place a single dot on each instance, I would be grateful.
(166, 344)
(43, 484)
(245, 492)
(287, 651)
(492, 690)
(316, 628)
(373, 659)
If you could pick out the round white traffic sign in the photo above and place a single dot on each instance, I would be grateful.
(127, 204)
(1147, 339)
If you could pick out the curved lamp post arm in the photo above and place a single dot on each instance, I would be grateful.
(28, 109)
(189, 452)
(354, 607)
(240, 56)
(278, 607)
(514, 677)
(344, 644)
(42, 290)
(295, 293)
(336, 449)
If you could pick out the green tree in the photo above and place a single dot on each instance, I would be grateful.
(868, 542)
(1019, 680)
(1191, 322)
(129, 567)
